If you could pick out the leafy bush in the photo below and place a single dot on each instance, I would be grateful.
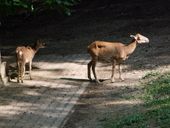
(61, 5)
(11, 7)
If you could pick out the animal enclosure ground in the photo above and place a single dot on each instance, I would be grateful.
(110, 21)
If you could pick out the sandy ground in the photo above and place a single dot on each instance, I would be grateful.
(70, 36)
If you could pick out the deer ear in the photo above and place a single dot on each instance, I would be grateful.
(39, 41)
(133, 36)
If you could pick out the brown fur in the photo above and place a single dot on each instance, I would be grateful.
(25, 54)
(112, 52)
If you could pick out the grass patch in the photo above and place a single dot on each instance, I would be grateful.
(156, 110)
(150, 75)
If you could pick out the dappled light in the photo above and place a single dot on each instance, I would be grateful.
(56, 86)
(47, 98)
(60, 95)
(123, 102)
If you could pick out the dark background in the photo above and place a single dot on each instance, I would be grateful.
(90, 20)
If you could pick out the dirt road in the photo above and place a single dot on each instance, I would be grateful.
(48, 98)
(60, 69)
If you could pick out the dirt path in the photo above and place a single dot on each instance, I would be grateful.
(60, 69)
(109, 100)
(48, 98)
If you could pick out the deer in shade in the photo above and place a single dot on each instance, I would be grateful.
(24, 55)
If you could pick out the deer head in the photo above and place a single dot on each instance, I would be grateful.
(40, 43)
(140, 38)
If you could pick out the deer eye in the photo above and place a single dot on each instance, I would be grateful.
(138, 38)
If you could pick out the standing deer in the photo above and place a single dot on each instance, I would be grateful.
(113, 52)
(25, 54)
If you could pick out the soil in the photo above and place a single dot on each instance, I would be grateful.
(100, 20)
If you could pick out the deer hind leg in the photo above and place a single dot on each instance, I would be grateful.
(89, 70)
(22, 72)
(113, 71)
(30, 68)
(120, 72)
(19, 72)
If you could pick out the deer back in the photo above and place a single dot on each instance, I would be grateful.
(25, 54)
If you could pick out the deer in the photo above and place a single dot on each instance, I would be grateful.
(24, 55)
(112, 52)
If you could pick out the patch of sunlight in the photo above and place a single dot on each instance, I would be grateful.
(66, 86)
(46, 72)
(31, 93)
(56, 65)
(123, 102)
(13, 109)
(163, 69)
(38, 83)
(49, 84)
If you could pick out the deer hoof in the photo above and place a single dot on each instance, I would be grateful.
(112, 80)
(98, 82)
(122, 79)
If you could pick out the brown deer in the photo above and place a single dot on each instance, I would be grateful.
(112, 52)
(25, 54)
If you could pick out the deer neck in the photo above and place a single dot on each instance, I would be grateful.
(35, 48)
(131, 47)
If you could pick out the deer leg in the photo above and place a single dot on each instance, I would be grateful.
(113, 72)
(120, 72)
(22, 72)
(94, 72)
(30, 68)
(89, 70)
(19, 72)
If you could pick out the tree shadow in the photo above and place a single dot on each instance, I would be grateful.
(37, 102)
(75, 79)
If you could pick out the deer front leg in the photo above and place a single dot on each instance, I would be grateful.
(30, 68)
(120, 72)
(94, 72)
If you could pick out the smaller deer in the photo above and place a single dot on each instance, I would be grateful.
(24, 55)
(112, 52)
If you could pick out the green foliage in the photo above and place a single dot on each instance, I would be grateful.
(11, 7)
(150, 75)
(61, 5)
(156, 111)
(158, 89)
(135, 120)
